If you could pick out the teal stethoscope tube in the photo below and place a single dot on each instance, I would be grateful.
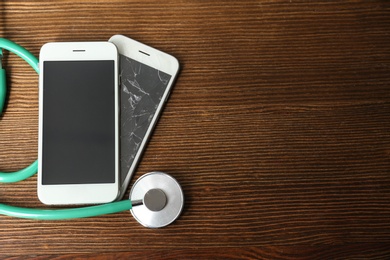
(34, 63)
(59, 214)
(43, 214)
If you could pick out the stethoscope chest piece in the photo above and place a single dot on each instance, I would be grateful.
(162, 199)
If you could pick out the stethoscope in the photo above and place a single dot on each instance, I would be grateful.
(156, 198)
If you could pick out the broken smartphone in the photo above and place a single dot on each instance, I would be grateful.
(146, 77)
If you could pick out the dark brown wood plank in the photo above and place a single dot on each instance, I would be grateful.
(277, 128)
(356, 251)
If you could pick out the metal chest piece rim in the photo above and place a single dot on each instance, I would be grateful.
(162, 198)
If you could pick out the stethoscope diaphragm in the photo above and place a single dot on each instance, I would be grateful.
(162, 199)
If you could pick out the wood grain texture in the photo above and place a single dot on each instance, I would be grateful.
(277, 128)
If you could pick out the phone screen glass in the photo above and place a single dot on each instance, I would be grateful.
(142, 89)
(78, 122)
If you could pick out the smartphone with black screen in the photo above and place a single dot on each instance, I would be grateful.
(78, 157)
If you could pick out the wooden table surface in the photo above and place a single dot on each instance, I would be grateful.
(278, 129)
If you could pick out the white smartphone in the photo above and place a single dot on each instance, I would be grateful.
(146, 78)
(78, 149)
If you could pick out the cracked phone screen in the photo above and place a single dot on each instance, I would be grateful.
(142, 89)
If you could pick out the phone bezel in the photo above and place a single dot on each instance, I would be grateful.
(155, 59)
(61, 194)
